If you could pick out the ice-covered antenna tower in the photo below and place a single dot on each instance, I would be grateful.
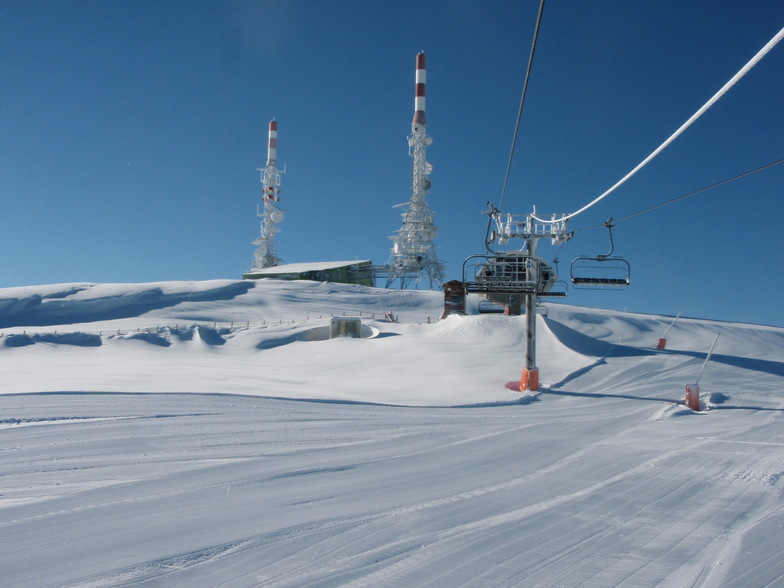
(270, 214)
(414, 252)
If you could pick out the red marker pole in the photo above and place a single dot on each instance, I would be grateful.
(663, 339)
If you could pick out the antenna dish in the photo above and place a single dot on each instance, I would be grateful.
(276, 216)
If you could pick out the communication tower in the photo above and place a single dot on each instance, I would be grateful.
(265, 255)
(414, 252)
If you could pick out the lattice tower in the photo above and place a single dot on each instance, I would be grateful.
(414, 256)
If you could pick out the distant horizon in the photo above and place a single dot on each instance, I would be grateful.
(132, 287)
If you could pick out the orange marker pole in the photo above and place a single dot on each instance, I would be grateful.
(663, 339)
(693, 397)
(693, 390)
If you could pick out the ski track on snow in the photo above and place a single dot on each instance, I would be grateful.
(606, 480)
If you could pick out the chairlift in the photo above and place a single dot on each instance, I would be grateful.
(489, 307)
(555, 288)
(498, 274)
(509, 273)
(601, 271)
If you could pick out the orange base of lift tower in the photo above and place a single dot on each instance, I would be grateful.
(529, 380)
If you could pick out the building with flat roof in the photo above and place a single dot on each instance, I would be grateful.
(341, 272)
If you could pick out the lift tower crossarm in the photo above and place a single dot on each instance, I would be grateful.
(526, 227)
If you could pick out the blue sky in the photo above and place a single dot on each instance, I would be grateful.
(130, 134)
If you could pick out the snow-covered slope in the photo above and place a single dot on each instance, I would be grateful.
(412, 464)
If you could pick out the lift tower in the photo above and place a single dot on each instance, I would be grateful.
(414, 251)
(509, 275)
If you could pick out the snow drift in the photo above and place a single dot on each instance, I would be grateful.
(209, 433)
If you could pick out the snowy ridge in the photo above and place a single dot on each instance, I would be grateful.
(206, 334)
(211, 434)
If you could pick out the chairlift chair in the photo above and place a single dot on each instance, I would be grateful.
(489, 307)
(509, 273)
(555, 288)
(601, 271)
(498, 274)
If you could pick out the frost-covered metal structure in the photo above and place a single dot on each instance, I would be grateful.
(414, 255)
(518, 276)
(271, 215)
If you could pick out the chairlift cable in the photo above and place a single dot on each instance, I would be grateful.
(522, 101)
(716, 185)
(683, 197)
(724, 89)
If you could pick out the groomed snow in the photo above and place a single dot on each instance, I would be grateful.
(209, 433)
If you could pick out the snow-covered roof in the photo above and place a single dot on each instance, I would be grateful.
(298, 268)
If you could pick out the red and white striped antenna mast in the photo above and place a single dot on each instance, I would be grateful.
(271, 215)
(414, 251)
